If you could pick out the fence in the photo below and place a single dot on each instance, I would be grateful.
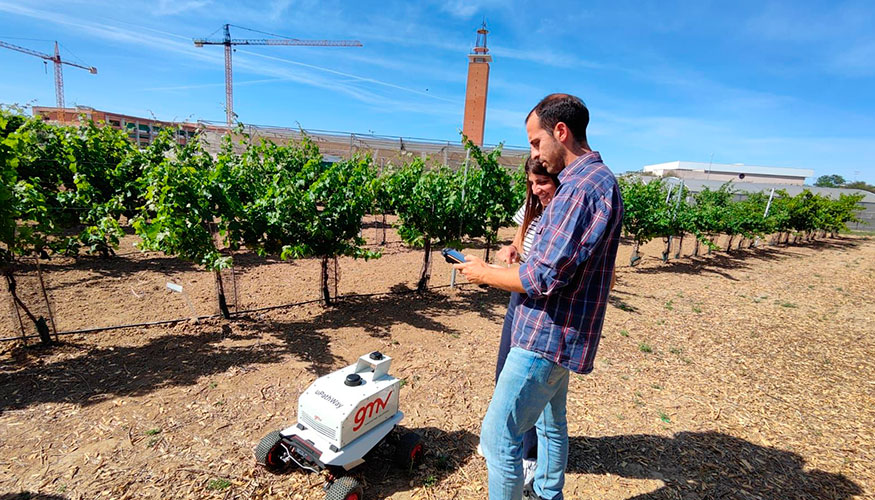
(90, 293)
(383, 148)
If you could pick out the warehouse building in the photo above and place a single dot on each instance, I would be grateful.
(735, 172)
(141, 131)
(333, 145)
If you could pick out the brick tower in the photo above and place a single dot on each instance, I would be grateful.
(478, 84)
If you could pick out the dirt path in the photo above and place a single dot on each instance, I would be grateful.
(747, 375)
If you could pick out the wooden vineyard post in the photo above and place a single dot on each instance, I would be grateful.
(326, 292)
(424, 275)
(220, 295)
(42, 327)
(220, 287)
(42, 284)
(15, 309)
(635, 258)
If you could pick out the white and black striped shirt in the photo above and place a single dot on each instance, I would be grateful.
(530, 232)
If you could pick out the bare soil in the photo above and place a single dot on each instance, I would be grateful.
(743, 375)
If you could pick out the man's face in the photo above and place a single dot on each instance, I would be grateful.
(544, 146)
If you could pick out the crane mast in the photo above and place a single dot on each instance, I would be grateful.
(59, 78)
(229, 79)
(58, 69)
(228, 42)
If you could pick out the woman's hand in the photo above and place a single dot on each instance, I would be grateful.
(508, 254)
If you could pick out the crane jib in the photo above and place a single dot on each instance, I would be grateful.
(227, 41)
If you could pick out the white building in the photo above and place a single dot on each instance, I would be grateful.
(736, 172)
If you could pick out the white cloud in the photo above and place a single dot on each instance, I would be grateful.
(278, 8)
(797, 22)
(858, 60)
(545, 56)
(213, 85)
(173, 7)
(465, 9)
(836, 39)
(348, 75)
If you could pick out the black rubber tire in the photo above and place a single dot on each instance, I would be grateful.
(266, 453)
(409, 451)
(345, 488)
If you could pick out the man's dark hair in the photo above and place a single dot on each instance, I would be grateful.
(564, 108)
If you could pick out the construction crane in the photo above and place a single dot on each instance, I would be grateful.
(59, 72)
(227, 41)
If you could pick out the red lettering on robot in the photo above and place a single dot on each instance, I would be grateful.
(369, 410)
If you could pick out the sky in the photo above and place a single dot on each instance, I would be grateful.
(769, 83)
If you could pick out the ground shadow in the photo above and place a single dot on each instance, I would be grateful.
(489, 303)
(375, 222)
(446, 452)
(719, 261)
(707, 465)
(715, 263)
(376, 315)
(87, 375)
(843, 243)
(619, 303)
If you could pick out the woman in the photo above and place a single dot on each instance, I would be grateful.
(540, 188)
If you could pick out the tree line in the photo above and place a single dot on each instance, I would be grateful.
(656, 209)
(837, 181)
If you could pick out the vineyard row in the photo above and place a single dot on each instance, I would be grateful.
(70, 189)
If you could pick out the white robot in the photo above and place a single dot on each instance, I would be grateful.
(341, 417)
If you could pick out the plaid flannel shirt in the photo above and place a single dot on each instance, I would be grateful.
(567, 276)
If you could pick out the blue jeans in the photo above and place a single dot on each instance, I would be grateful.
(530, 440)
(531, 391)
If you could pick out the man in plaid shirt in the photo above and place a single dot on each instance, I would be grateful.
(565, 281)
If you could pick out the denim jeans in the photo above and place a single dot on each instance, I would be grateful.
(530, 440)
(531, 391)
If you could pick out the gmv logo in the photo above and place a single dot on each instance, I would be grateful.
(370, 409)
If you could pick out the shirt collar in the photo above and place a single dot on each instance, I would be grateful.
(579, 165)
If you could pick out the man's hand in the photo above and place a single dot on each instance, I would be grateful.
(481, 273)
(508, 254)
(474, 269)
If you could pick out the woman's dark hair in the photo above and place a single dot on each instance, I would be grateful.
(533, 203)
(564, 108)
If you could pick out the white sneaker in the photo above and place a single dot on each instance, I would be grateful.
(529, 467)
(529, 493)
